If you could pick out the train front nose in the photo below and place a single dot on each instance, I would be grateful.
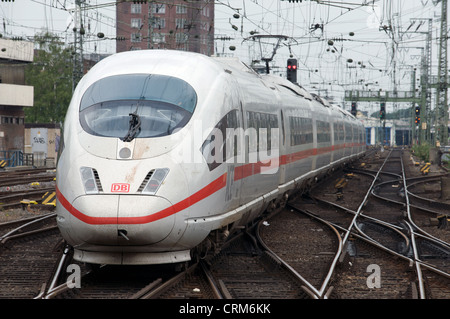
(123, 220)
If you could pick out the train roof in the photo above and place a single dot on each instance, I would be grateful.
(182, 64)
(235, 65)
(185, 66)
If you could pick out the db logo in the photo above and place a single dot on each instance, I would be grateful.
(120, 188)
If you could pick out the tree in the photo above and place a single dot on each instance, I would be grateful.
(51, 75)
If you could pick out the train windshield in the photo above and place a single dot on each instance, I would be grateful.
(137, 105)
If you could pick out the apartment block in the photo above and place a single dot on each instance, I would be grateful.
(14, 94)
(171, 24)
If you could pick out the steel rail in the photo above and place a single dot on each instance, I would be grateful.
(350, 211)
(342, 242)
(22, 220)
(366, 197)
(8, 235)
(362, 236)
(169, 283)
(417, 180)
(413, 237)
(335, 259)
(365, 238)
(216, 288)
(418, 229)
(412, 227)
(410, 224)
(309, 289)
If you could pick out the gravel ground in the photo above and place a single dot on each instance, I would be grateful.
(19, 213)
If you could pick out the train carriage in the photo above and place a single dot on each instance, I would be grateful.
(164, 153)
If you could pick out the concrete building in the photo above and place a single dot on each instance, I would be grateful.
(42, 142)
(170, 24)
(393, 133)
(14, 94)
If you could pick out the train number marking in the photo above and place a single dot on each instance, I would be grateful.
(120, 188)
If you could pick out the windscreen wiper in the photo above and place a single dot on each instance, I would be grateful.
(135, 127)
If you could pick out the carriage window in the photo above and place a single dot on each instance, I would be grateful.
(301, 130)
(223, 142)
(338, 128)
(323, 132)
(260, 122)
(348, 132)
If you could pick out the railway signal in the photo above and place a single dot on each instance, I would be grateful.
(417, 112)
(353, 110)
(382, 110)
(292, 70)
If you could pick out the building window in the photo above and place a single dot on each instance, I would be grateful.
(206, 11)
(181, 38)
(136, 37)
(158, 8)
(159, 38)
(136, 8)
(159, 23)
(204, 25)
(181, 10)
(180, 23)
(136, 23)
(12, 120)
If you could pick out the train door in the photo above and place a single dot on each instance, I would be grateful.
(235, 156)
(314, 145)
(282, 149)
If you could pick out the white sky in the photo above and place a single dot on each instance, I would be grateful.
(375, 54)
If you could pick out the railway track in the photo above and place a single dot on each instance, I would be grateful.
(26, 177)
(378, 236)
(14, 199)
(239, 272)
(25, 184)
(245, 270)
(320, 246)
(28, 251)
(126, 282)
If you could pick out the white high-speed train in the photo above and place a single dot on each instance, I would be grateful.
(164, 153)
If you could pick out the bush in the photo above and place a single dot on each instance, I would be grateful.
(422, 151)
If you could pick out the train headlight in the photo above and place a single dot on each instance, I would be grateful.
(88, 179)
(155, 181)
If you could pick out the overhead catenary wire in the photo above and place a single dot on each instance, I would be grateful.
(276, 17)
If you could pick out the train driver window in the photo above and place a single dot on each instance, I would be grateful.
(157, 104)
